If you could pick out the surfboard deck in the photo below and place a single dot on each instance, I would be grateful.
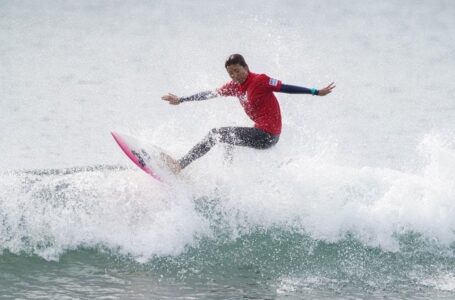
(147, 158)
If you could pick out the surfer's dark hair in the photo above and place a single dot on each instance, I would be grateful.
(235, 59)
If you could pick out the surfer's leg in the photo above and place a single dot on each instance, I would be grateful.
(238, 136)
(247, 137)
(200, 149)
(196, 152)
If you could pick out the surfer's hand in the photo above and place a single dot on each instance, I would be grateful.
(327, 90)
(171, 98)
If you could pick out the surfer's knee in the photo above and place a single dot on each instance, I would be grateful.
(226, 135)
(214, 132)
(213, 136)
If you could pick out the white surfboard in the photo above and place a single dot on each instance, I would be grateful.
(148, 158)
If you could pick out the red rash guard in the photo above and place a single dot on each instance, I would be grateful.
(257, 99)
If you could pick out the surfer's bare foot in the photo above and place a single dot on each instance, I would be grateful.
(171, 163)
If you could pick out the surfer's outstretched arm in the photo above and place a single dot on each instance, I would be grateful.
(292, 89)
(175, 100)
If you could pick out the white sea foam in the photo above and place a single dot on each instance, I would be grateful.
(444, 282)
(128, 211)
(124, 210)
(328, 200)
(374, 159)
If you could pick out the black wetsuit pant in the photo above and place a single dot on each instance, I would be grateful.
(237, 136)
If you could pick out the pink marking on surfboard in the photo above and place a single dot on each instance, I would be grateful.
(124, 146)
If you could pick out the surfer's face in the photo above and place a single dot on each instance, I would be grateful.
(237, 72)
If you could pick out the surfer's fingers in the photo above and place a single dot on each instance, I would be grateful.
(169, 97)
(172, 97)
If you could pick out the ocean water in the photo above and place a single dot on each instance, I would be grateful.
(356, 201)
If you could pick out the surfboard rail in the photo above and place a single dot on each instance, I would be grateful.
(136, 153)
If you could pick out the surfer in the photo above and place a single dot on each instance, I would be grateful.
(255, 93)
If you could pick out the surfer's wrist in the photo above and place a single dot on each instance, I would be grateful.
(199, 96)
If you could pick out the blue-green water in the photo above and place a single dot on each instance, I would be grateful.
(261, 265)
